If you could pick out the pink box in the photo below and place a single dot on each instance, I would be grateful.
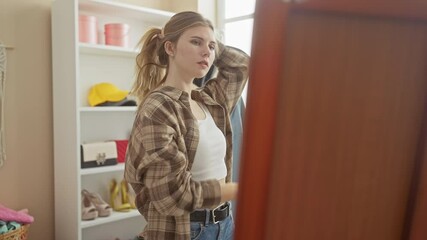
(117, 34)
(88, 29)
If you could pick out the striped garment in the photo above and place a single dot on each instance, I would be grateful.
(163, 144)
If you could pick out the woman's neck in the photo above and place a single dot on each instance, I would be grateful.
(180, 82)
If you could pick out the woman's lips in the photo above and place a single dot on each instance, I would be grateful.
(203, 64)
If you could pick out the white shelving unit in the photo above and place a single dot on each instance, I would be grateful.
(115, 216)
(76, 67)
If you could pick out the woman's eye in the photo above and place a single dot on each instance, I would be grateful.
(195, 42)
(212, 47)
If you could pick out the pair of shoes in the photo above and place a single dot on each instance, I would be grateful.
(88, 209)
(128, 195)
(139, 237)
(118, 197)
(94, 206)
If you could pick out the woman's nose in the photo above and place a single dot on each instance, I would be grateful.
(206, 51)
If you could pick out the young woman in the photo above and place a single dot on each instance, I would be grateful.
(179, 155)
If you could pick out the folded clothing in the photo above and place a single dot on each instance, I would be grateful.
(10, 215)
(8, 226)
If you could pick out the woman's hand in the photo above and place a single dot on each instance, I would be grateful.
(229, 191)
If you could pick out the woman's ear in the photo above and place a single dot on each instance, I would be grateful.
(170, 48)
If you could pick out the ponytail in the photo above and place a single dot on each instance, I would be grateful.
(151, 64)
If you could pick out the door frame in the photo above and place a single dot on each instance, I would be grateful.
(270, 21)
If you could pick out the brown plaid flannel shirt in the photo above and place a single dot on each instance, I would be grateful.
(163, 144)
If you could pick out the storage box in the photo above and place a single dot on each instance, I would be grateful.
(117, 34)
(88, 29)
(122, 146)
(98, 154)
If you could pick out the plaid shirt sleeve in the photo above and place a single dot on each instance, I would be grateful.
(166, 178)
(233, 71)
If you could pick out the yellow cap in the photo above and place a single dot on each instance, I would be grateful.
(105, 92)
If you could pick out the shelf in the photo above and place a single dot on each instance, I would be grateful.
(115, 216)
(111, 8)
(106, 50)
(106, 169)
(108, 109)
(77, 67)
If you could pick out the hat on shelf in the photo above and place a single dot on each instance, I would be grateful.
(107, 94)
(124, 102)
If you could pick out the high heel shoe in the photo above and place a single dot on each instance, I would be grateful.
(128, 195)
(104, 210)
(116, 200)
(88, 209)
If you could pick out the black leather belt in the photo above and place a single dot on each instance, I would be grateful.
(218, 214)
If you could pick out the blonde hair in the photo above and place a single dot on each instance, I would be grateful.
(152, 62)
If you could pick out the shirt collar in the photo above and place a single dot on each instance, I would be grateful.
(177, 94)
(172, 92)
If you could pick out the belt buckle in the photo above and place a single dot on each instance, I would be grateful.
(213, 214)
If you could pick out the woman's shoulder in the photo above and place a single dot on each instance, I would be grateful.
(159, 102)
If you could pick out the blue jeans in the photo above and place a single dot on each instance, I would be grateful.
(223, 230)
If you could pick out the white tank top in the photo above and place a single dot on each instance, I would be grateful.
(209, 162)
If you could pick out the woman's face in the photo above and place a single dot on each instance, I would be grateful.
(195, 52)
